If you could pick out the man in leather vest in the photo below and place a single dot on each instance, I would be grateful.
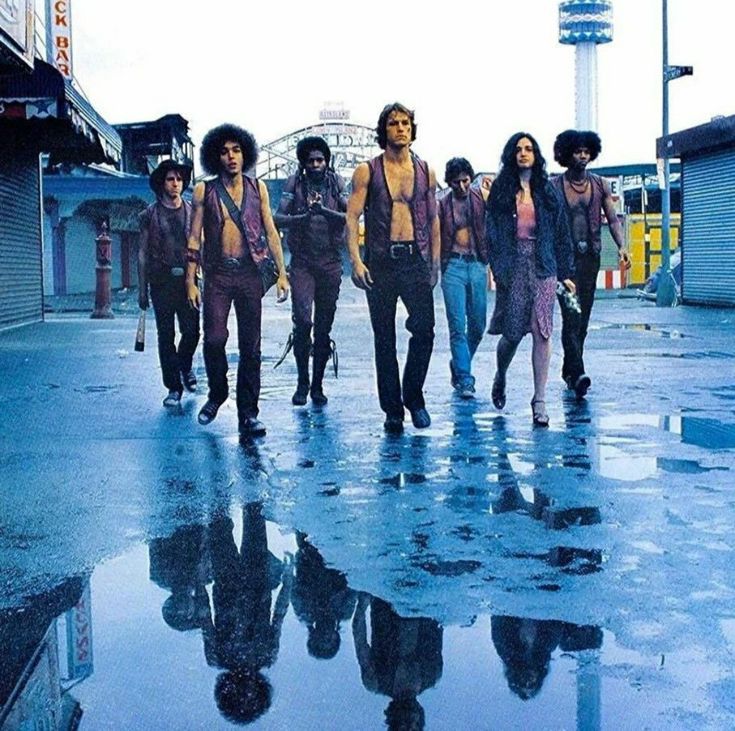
(586, 196)
(233, 212)
(464, 258)
(402, 247)
(164, 227)
(312, 208)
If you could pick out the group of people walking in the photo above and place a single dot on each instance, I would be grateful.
(540, 237)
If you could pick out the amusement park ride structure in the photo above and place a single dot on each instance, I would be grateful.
(350, 143)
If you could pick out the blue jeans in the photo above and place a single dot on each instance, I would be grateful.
(464, 284)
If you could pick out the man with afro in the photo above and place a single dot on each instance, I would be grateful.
(586, 196)
(397, 192)
(233, 213)
(312, 208)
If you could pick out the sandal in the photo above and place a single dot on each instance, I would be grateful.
(498, 392)
(538, 409)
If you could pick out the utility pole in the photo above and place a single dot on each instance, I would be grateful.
(666, 291)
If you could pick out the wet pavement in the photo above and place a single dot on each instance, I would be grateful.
(479, 574)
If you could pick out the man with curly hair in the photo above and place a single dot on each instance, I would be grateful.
(164, 228)
(464, 258)
(397, 191)
(233, 213)
(586, 196)
(312, 208)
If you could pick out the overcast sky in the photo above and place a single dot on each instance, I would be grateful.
(474, 71)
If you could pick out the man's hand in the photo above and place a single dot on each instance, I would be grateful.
(193, 295)
(282, 287)
(624, 257)
(143, 302)
(570, 285)
(361, 276)
(434, 277)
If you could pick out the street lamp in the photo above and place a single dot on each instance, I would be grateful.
(666, 291)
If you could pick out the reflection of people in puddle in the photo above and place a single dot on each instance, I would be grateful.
(321, 600)
(180, 563)
(403, 659)
(243, 639)
(525, 647)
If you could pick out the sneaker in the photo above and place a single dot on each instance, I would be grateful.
(190, 381)
(251, 427)
(173, 399)
(393, 424)
(420, 418)
(208, 412)
(466, 391)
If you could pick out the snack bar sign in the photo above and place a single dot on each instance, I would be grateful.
(58, 39)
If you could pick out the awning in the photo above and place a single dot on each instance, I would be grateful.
(44, 110)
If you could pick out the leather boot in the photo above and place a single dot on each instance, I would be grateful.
(321, 357)
(301, 348)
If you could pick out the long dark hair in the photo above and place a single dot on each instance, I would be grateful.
(508, 182)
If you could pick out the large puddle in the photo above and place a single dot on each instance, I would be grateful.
(237, 622)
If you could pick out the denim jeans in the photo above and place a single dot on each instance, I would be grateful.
(168, 295)
(464, 284)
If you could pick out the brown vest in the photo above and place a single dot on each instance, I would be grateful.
(330, 199)
(477, 225)
(379, 209)
(159, 258)
(250, 215)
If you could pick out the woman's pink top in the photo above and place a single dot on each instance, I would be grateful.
(526, 221)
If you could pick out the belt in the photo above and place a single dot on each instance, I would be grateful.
(462, 257)
(402, 249)
(231, 263)
(582, 247)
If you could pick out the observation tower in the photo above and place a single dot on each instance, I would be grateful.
(585, 24)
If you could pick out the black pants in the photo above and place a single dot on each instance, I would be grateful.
(244, 288)
(168, 295)
(407, 278)
(574, 325)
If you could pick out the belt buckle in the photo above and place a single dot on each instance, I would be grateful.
(398, 251)
(230, 263)
(582, 247)
(177, 271)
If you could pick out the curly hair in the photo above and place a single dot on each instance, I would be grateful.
(382, 128)
(307, 145)
(457, 166)
(209, 155)
(572, 139)
(508, 183)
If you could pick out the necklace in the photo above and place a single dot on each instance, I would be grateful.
(579, 186)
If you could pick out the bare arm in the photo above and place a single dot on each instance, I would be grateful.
(142, 267)
(194, 245)
(608, 206)
(355, 206)
(436, 239)
(274, 242)
(285, 216)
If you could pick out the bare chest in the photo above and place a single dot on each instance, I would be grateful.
(400, 182)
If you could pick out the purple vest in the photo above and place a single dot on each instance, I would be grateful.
(250, 215)
(331, 198)
(379, 208)
(594, 210)
(477, 225)
(159, 257)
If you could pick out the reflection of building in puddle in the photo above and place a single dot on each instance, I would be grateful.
(617, 463)
(34, 690)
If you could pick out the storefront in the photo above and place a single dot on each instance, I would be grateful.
(40, 112)
(707, 154)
